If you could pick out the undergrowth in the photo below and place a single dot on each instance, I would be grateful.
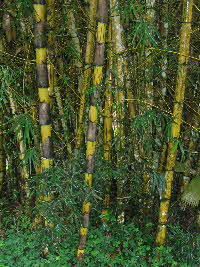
(121, 245)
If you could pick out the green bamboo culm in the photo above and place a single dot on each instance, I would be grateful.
(179, 97)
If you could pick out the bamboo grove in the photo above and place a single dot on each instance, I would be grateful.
(100, 114)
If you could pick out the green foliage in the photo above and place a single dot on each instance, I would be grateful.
(93, 91)
(152, 120)
(15, 86)
(67, 187)
(122, 246)
(130, 10)
(178, 144)
(25, 248)
(186, 245)
(23, 123)
(3, 91)
(142, 32)
(72, 53)
(144, 35)
(21, 8)
(31, 159)
(180, 167)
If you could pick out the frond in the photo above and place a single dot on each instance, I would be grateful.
(191, 194)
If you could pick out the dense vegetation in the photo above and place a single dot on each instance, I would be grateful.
(99, 133)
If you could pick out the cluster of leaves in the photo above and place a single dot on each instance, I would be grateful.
(152, 120)
(120, 246)
(141, 31)
(66, 188)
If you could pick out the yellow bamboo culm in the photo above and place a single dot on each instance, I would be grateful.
(185, 34)
(105, 212)
(49, 224)
(47, 198)
(50, 52)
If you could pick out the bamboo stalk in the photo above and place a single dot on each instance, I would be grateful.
(74, 35)
(149, 90)
(24, 171)
(119, 49)
(164, 34)
(93, 116)
(43, 83)
(192, 137)
(51, 44)
(76, 42)
(148, 71)
(108, 135)
(53, 88)
(40, 11)
(9, 27)
(185, 34)
(87, 70)
(2, 155)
